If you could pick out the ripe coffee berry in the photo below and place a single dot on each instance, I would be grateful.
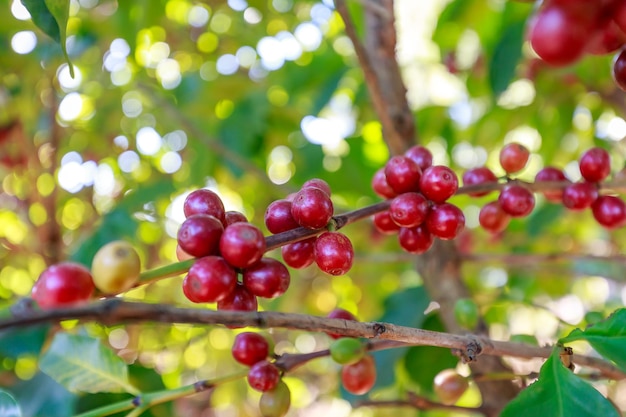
(199, 235)
(513, 157)
(209, 279)
(250, 348)
(609, 211)
(384, 223)
(358, 378)
(415, 239)
(438, 183)
(204, 201)
(340, 313)
(380, 185)
(516, 200)
(239, 300)
(63, 284)
(420, 155)
(445, 221)
(619, 70)
(267, 278)
(242, 244)
(492, 218)
(299, 254)
(403, 174)
(317, 183)
(263, 376)
(312, 208)
(580, 195)
(278, 217)
(477, 176)
(595, 164)
(334, 253)
(409, 209)
(232, 216)
(551, 174)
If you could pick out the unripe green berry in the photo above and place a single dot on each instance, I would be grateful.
(347, 350)
(466, 313)
(275, 403)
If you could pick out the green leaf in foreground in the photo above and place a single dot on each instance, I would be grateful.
(82, 364)
(51, 17)
(607, 337)
(8, 405)
(559, 393)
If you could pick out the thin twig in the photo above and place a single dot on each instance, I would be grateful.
(420, 403)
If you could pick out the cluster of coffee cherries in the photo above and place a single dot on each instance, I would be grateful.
(311, 208)
(419, 211)
(225, 246)
(252, 349)
(563, 31)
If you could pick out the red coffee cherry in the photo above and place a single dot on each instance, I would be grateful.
(250, 348)
(334, 253)
(267, 278)
(477, 176)
(62, 285)
(210, 279)
(242, 244)
(516, 200)
(513, 157)
(595, 164)
(204, 201)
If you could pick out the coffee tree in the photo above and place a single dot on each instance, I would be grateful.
(288, 207)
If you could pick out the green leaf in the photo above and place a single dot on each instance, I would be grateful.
(51, 17)
(42, 396)
(23, 340)
(559, 393)
(607, 337)
(8, 405)
(82, 364)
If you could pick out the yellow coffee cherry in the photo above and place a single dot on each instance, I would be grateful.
(116, 267)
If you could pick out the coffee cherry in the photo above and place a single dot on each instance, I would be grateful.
(204, 201)
(608, 38)
(403, 174)
(380, 185)
(415, 239)
(420, 155)
(619, 69)
(62, 285)
(409, 209)
(250, 348)
(347, 350)
(595, 164)
(384, 223)
(312, 208)
(239, 300)
(466, 313)
(199, 235)
(242, 244)
(358, 378)
(263, 376)
(209, 279)
(340, 313)
(438, 183)
(609, 211)
(317, 183)
(445, 221)
(334, 253)
(449, 386)
(232, 216)
(492, 218)
(299, 254)
(278, 217)
(580, 195)
(551, 174)
(513, 157)
(115, 267)
(267, 278)
(516, 200)
(477, 176)
(276, 402)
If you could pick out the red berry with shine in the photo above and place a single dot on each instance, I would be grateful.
(278, 217)
(415, 239)
(62, 285)
(384, 223)
(438, 183)
(300, 254)
(312, 208)
(241, 299)
(513, 157)
(409, 209)
(340, 313)
(317, 183)
(267, 278)
(580, 195)
(609, 211)
(210, 279)
(263, 376)
(233, 216)
(595, 164)
(477, 176)
(250, 348)
(551, 174)
(204, 201)
(359, 377)
(334, 253)
(380, 185)
(445, 221)
(242, 244)
(492, 218)
(516, 200)
(619, 69)
(199, 235)
(403, 174)
(421, 155)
